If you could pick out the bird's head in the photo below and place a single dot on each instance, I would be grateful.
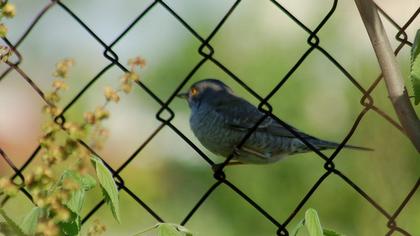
(205, 91)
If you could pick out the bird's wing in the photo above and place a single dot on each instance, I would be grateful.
(241, 115)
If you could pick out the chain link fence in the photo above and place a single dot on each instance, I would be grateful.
(206, 51)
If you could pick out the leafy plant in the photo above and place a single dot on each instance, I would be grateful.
(59, 193)
(415, 67)
(313, 227)
(167, 229)
(7, 10)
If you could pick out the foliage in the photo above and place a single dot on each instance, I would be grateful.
(260, 66)
(7, 10)
(109, 188)
(167, 229)
(313, 226)
(415, 68)
(59, 193)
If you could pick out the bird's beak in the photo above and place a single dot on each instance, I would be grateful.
(182, 95)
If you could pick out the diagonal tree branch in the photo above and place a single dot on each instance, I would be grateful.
(391, 71)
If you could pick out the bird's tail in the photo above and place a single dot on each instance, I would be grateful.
(358, 148)
(323, 145)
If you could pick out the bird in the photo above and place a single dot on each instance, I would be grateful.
(220, 120)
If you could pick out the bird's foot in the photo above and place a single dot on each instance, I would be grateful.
(218, 166)
(236, 151)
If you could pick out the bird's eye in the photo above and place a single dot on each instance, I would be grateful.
(194, 91)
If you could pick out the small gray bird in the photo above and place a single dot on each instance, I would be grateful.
(220, 120)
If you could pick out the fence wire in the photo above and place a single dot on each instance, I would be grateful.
(206, 51)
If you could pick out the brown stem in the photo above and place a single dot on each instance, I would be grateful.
(391, 71)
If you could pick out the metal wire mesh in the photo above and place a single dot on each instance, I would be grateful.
(206, 51)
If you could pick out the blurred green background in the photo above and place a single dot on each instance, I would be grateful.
(258, 43)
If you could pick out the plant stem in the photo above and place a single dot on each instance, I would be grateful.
(390, 70)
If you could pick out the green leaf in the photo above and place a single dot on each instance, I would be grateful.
(329, 232)
(296, 229)
(76, 201)
(5, 229)
(109, 188)
(77, 198)
(11, 224)
(312, 223)
(184, 230)
(415, 79)
(168, 229)
(415, 68)
(72, 226)
(30, 221)
(415, 50)
(86, 181)
(146, 230)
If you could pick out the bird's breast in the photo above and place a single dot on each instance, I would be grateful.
(210, 129)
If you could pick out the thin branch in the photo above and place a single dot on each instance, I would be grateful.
(391, 71)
